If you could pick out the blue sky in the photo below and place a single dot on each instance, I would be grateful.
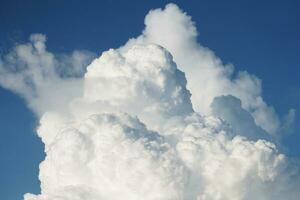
(261, 37)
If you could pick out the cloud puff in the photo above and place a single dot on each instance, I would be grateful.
(225, 167)
(110, 156)
(39, 75)
(140, 127)
(143, 81)
(207, 76)
(230, 109)
(98, 152)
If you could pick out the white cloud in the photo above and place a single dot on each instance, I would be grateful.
(229, 108)
(39, 75)
(143, 81)
(207, 76)
(128, 129)
(96, 152)
(113, 155)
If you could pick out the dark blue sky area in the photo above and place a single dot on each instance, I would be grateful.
(261, 37)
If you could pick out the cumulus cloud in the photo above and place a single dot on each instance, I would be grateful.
(143, 81)
(39, 75)
(99, 152)
(138, 123)
(106, 155)
(230, 109)
(207, 76)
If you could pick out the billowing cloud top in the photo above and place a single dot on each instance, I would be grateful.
(160, 118)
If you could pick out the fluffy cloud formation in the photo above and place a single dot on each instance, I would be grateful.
(109, 156)
(137, 126)
(98, 152)
(39, 75)
(230, 109)
(144, 81)
(207, 76)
